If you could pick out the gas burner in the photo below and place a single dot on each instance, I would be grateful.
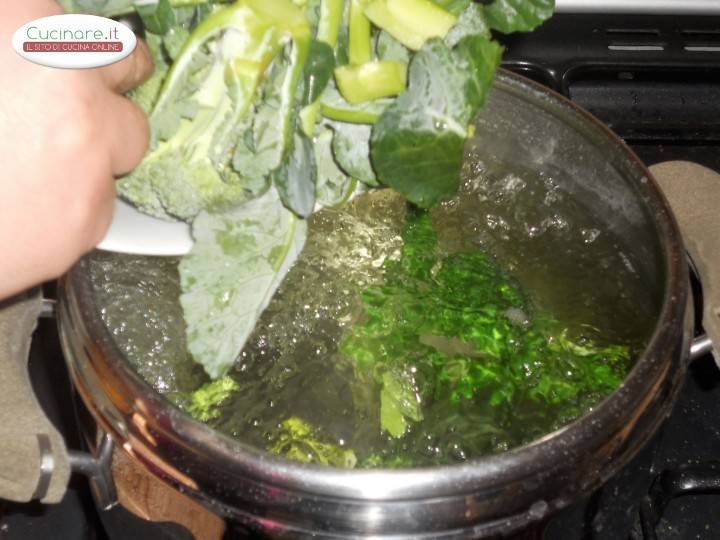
(687, 479)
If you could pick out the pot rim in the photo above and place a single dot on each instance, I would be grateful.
(544, 454)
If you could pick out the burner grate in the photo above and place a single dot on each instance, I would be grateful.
(671, 484)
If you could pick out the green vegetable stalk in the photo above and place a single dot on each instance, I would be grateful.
(360, 48)
(411, 22)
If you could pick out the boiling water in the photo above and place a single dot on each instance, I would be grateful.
(560, 254)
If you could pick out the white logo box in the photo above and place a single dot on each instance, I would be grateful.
(74, 41)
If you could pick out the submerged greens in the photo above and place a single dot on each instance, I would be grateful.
(297, 440)
(204, 402)
(435, 355)
(447, 329)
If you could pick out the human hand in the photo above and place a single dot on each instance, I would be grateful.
(64, 136)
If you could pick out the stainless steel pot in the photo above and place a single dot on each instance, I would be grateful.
(498, 494)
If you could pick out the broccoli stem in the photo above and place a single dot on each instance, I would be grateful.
(348, 115)
(371, 80)
(331, 14)
(360, 50)
(411, 22)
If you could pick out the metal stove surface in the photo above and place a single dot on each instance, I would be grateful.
(656, 81)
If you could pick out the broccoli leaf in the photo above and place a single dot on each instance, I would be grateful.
(318, 70)
(204, 403)
(200, 113)
(157, 17)
(174, 40)
(351, 148)
(236, 265)
(388, 48)
(480, 58)
(113, 8)
(456, 7)
(333, 185)
(98, 7)
(509, 16)
(146, 95)
(399, 402)
(271, 137)
(296, 177)
(471, 22)
(297, 440)
(417, 144)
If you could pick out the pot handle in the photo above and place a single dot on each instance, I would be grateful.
(700, 346)
(693, 192)
(34, 463)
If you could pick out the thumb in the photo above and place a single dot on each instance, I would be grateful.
(131, 71)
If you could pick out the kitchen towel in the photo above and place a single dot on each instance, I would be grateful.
(694, 195)
(33, 458)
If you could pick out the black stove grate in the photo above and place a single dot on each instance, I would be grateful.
(655, 80)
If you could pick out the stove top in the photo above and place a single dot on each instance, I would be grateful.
(655, 79)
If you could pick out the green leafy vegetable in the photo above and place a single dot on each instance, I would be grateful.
(99, 7)
(204, 402)
(318, 69)
(334, 186)
(246, 114)
(297, 440)
(451, 342)
(114, 8)
(417, 144)
(296, 176)
(456, 7)
(351, 149)
(472, 22)
(236, 265)
(388, 48)
(146, 95)
(509, 16)
(200, 111)
(158, 17)
(399, 402)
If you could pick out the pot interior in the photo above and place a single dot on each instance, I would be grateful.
(552, 201)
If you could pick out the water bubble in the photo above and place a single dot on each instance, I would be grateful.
(589, 235)
(533, 230)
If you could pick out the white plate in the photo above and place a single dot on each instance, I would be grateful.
(132, 231)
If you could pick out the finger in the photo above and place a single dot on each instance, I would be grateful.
(128, 134)
(130, 72)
